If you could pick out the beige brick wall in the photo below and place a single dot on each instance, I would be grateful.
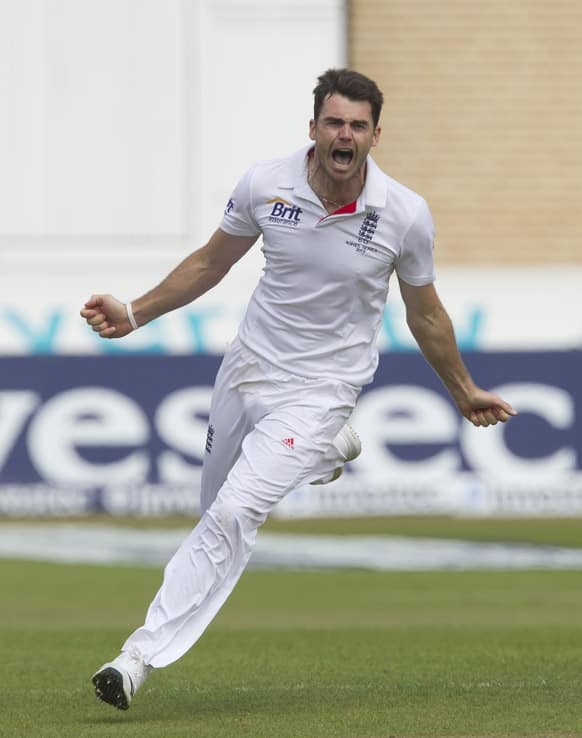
(483, 116)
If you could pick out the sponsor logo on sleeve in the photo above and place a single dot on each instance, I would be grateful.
(209, 439)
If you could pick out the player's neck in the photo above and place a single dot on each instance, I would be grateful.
(334, 195)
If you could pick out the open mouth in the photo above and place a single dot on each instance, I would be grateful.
(342, 156)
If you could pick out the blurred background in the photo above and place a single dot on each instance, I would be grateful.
(125, 126)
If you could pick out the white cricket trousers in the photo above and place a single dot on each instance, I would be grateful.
(269, 433)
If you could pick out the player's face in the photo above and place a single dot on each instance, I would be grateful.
(344, 133)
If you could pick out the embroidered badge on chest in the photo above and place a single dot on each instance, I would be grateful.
(368, 227)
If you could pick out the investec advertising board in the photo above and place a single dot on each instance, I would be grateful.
(120, 426)
(126, 435)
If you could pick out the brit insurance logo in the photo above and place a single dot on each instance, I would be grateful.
(366, 233)
(229, 206)
(284, 213)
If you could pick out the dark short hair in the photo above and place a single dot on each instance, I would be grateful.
(350, 84)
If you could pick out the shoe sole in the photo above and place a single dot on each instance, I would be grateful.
(108, 685)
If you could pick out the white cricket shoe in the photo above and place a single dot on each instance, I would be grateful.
(349, 445)
(117, 681)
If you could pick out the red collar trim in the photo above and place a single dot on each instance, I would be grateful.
(349, 208)
(345, 210)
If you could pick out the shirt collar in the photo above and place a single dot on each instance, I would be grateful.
(294, 177)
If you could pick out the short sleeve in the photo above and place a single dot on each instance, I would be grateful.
(415, 264)
(239, 217)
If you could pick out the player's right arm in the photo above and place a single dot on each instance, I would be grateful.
(194, 276)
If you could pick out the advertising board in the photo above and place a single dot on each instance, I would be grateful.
(125, 435)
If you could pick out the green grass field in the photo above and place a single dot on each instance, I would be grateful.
(352, 654)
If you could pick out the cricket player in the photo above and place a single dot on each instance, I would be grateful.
(334, 229)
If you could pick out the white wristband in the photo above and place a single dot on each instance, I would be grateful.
(130, 317)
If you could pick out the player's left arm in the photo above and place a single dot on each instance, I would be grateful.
(432, 329)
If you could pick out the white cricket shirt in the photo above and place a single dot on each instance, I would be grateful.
(318, 306)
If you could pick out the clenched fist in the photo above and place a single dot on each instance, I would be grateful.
(107, 316)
